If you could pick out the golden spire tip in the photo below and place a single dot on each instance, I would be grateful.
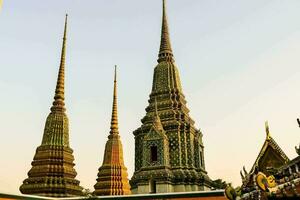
(114, 116)
(115, 76)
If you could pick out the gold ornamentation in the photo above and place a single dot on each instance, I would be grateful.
(264, 182)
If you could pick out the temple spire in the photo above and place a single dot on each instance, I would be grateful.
(52, 173)
(166, 124)
(112, 175)
(114, 129)
(165, 51)
(59, 97)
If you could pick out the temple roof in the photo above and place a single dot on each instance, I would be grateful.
(269, 143)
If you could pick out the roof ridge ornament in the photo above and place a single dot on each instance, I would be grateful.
(298, 148)
(267, 130)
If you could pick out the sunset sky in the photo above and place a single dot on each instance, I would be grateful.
(239, 63)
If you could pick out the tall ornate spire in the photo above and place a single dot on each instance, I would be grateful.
(59, 97)
(52, 173)
(114, 129)
(185, 158)
(165, 51)
(112, 175)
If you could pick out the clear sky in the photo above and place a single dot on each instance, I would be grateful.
(238, 60)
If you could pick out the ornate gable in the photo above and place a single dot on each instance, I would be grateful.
(156, 145)
(270, 155)
(155, 135)
(156, 131)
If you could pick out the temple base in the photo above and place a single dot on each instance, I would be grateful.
(52, 173)
(162, 187)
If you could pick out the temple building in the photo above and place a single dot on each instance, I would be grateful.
(273, 175)
(169, 152)
(112, 176)
(270, 158)
(52, 173)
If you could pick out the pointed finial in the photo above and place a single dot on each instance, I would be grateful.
(115, 76)
(156, 119)
(114, 128)
(165, 51)
(59, 97)
(242, 176)
(245, 171)
(267, 130)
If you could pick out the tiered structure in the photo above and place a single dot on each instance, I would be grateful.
(52, 173)
(169, 153)
(112, 176)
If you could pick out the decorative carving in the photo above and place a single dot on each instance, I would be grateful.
(264, 182)
(232, 193)
(156, 137)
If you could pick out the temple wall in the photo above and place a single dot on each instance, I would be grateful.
(164, 188)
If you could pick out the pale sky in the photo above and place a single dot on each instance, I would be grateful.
(238, 60)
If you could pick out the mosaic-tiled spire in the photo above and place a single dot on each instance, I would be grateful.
(52, 173)
(165, 51)
(59, 97)
(112, 176)
(166, 75)
(186, 167)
